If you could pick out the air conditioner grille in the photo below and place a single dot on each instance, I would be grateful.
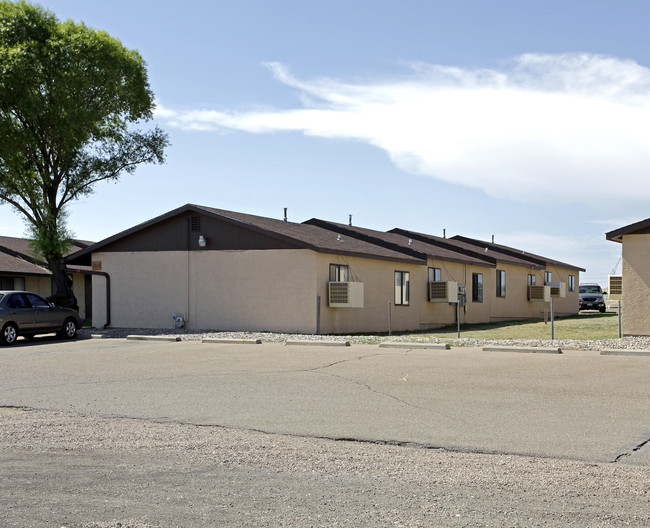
(615, 285)
(443, 291)
(438, 290)
(558, 289)
(345, 294)
(339, 293)
(539, 293)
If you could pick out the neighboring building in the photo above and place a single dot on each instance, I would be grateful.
(224, 270)
(517, 270)
(635, 284)
(20, 270)
(496, 278)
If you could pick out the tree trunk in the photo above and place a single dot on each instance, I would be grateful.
(62, 282)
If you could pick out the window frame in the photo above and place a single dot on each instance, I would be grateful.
(335, 271)
(402, 297)
(477, 287)
(6, 279)
(572, 283)
(433, 273)
(501, 284)
(532, 279)
(548, 277)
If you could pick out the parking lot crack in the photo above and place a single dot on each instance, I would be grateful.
(369, 388)
(342, 361)
(631, 452)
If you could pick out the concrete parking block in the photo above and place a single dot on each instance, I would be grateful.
(228, 341)
(522, 349)
(418, 346)
(318, 343)
(623, 352)
(151, 338)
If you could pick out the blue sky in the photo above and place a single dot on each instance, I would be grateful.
(523, 120)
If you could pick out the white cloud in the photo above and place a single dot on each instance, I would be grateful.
(566, 128)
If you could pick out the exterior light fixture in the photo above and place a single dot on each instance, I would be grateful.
(202, 241)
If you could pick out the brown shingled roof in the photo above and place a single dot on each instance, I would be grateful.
(303, 235)
(330, 237)
(516, 255)
(433, 247)
(316, 238)
(17, 256)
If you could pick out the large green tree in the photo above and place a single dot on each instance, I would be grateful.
(70, 97)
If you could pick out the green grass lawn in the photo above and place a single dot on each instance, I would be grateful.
(589, 325)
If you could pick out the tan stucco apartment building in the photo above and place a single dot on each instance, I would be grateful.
(635, 313)
(225, 270)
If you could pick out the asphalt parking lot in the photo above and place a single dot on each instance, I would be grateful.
(578, 405)
(115, 433)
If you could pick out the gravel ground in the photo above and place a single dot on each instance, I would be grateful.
(630, 343)
(69, 470)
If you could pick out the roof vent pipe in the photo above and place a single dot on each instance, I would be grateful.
(285, 214)
(444, 233)
(493, 239)
(350, 222)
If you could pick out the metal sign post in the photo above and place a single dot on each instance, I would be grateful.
(552, 322)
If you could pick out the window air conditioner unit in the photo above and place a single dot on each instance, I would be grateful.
(539, 293)
(615, 287)
(443, 291)
(558, 289)
(345, 294)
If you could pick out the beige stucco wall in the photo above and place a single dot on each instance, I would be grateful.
(38, 284)
(635, 315)
(378, 277)
(270, 290)
(223, 290)
(515, 305)
(78, 286)
(569, 305)
(278, 290)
